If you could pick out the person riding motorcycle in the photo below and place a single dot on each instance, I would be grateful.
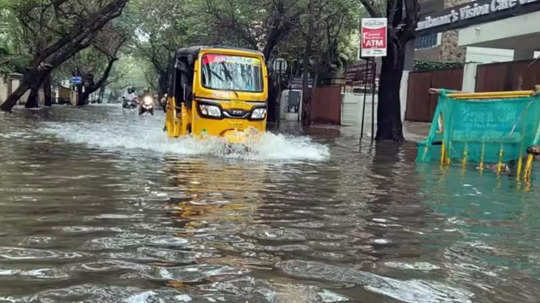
(147, 103)
(130, 99)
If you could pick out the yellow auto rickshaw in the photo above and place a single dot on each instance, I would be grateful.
(216, 91)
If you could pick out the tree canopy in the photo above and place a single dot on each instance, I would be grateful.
(48, 33)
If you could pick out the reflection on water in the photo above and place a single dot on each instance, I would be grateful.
(98, 205)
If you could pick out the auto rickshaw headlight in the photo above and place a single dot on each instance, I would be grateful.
(210, 110)
(258, 113)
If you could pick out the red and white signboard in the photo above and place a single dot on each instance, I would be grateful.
(374, 37)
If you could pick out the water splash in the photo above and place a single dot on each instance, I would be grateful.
(130, 133)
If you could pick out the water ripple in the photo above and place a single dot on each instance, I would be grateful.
(407, 290)
(93, 211)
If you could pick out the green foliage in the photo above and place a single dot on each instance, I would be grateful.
(13, 64)
(335, 24)
(278, 28)
(11, 59)
(130, 71)
(157, 28)
(5, 3)
(429, 66)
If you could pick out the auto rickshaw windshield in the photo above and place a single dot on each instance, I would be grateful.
(225, 72)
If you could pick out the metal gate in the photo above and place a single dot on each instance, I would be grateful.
(507, 76)
(326, 107)
(420, 104)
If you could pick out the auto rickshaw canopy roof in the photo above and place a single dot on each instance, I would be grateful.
(193, 51)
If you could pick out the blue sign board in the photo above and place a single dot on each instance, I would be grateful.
(76, 80)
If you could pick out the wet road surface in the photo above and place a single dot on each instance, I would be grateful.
(97, 205)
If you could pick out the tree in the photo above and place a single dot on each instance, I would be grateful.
(14, 53)
(108, 43)
(98, 59)
(256, 25)
(75, 26)
(321, 42)
(36, 21)
(402, 19)
(181, 23)
(130, 71)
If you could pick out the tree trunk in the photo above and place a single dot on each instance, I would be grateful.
(47, 90)
(402, 19)
(33, 98)
(30, 79)
(101, 94)
(94, 86)
(389, 126)
(83, 98)
(80, 98)
(163, 82)
(305, 95)
(163, 86)
(313, 93)
(306, 111)
(14, 97)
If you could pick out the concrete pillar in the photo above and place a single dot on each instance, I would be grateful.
(4, 89)
(73, 98)
(408, 66)
(469, 77)
(403, 93)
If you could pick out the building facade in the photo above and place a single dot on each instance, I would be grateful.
(442, 46)
(480, 31)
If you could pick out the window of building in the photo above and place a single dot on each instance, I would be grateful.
(428, 41)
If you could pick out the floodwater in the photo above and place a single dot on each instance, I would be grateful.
(97, 205)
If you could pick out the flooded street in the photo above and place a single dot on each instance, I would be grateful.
(98, 205)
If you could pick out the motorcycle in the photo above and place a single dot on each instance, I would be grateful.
(147, 105)
(129, 104)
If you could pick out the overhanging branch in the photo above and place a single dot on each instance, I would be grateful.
(369, 5)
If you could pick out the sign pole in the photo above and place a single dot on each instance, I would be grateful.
(373, 84)
(279, 65)
(374, 44)
(279, 101)
(364, 82)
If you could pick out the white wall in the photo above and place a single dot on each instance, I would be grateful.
(508, 28)
(4, 93)
(403, 92)
(469, 77)
(3, 89)
(488, 55)
(351, 109)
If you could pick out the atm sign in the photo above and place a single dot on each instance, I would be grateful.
(374, 37)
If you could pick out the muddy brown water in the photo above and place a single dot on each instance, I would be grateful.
(97, 205)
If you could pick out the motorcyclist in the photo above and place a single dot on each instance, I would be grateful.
(130, 98)
(147, 103)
